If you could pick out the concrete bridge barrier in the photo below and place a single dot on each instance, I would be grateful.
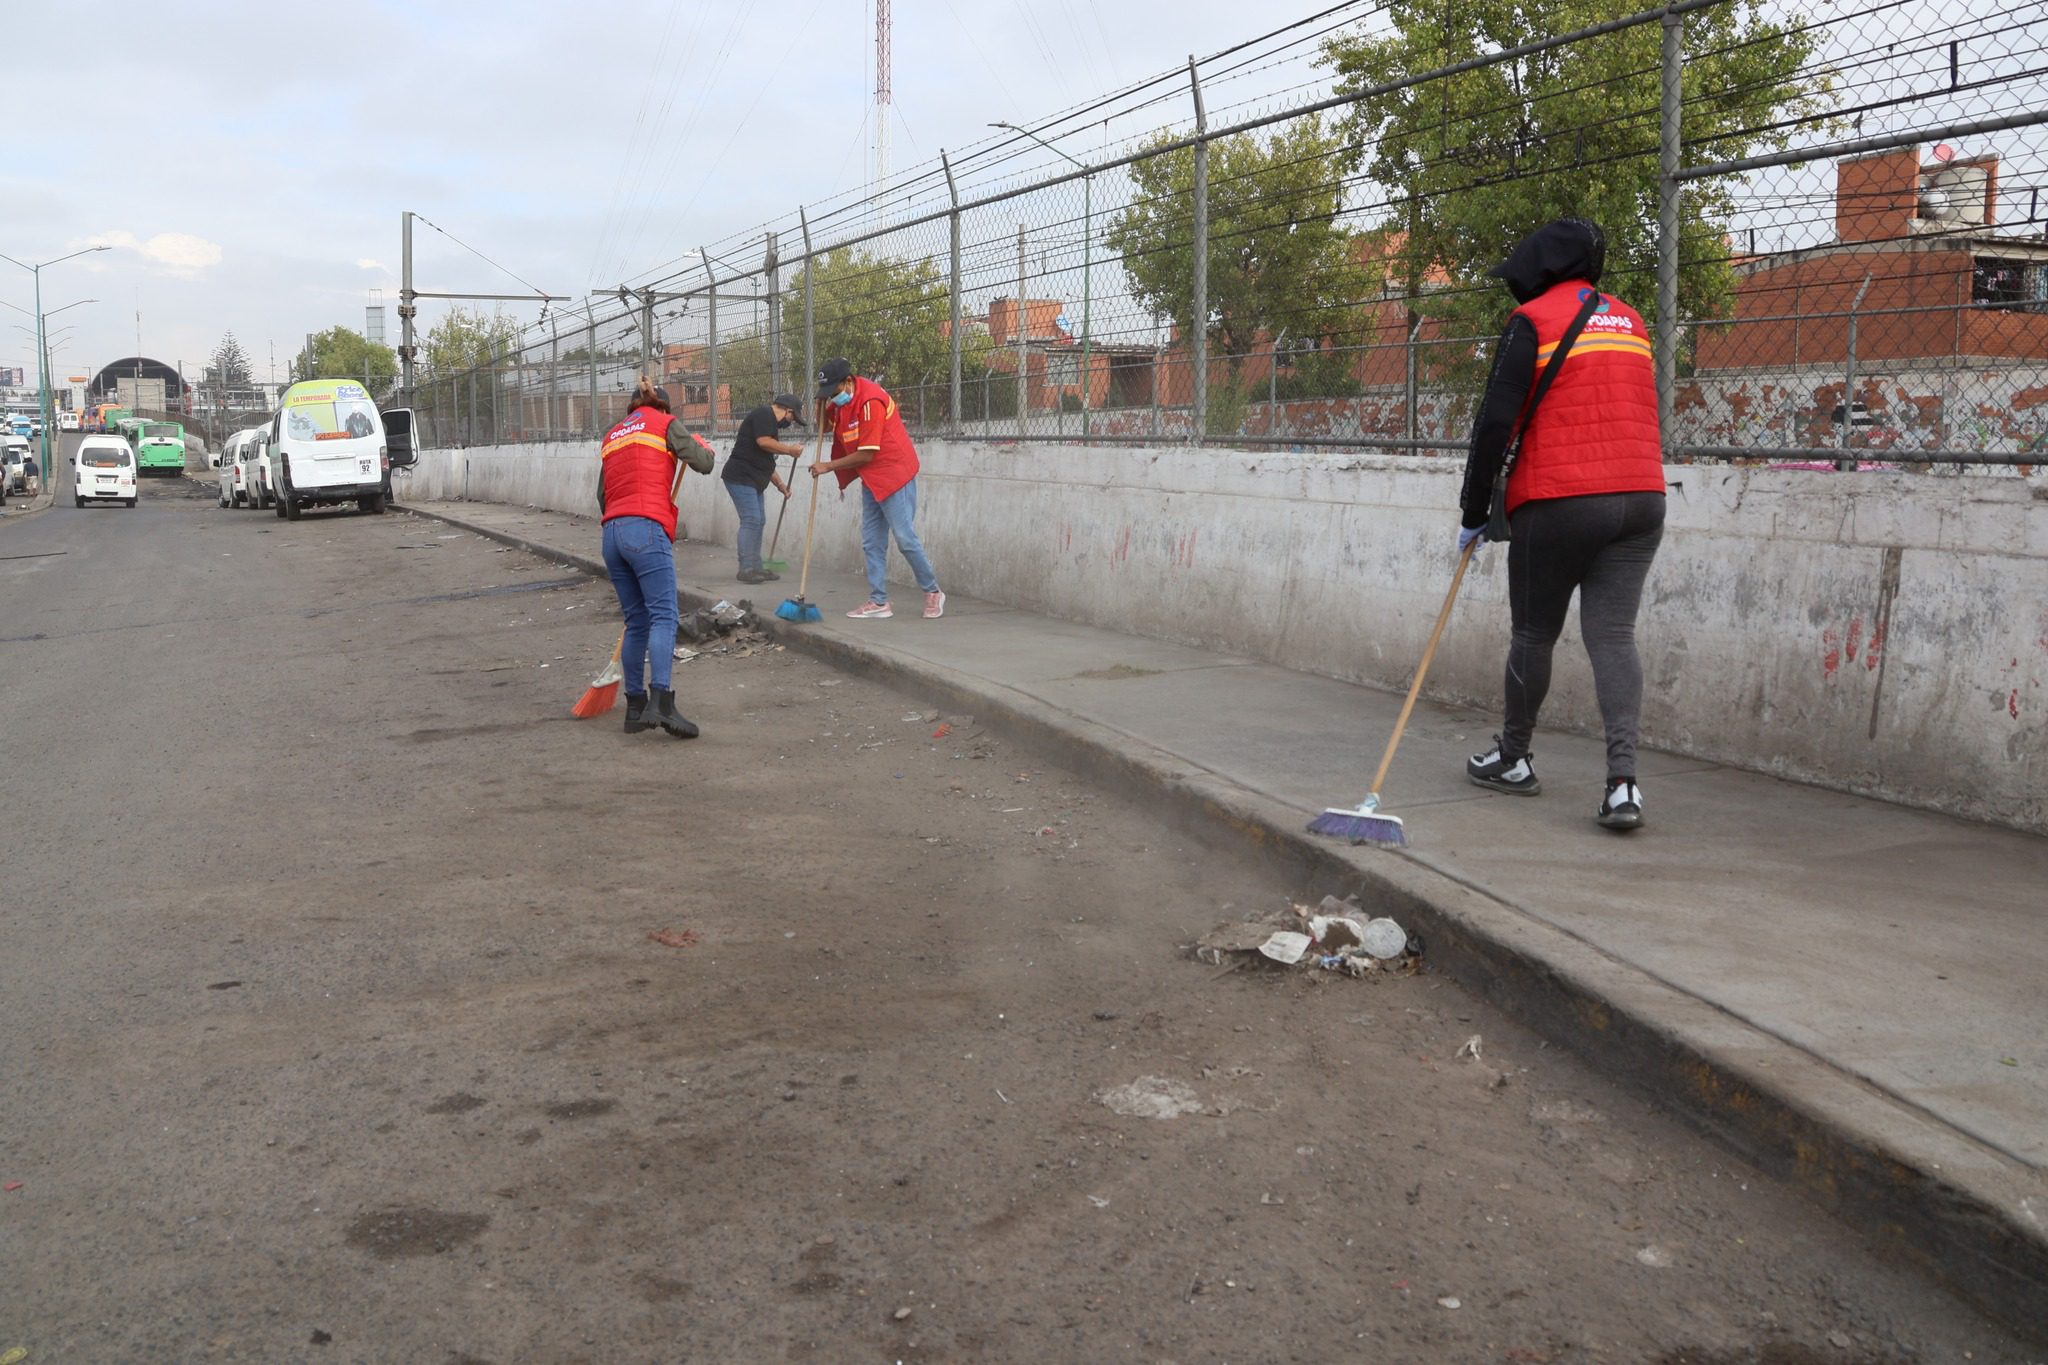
(1880, 633)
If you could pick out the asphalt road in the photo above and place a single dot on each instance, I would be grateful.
(331, 1027)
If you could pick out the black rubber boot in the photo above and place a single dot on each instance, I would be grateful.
(665, 708)
(636, 714)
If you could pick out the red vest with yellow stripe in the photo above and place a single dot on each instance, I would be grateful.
(871, 419)
(1596, 429)
(639, 471)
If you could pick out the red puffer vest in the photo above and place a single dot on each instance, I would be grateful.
(1596, 429)
(639, 471)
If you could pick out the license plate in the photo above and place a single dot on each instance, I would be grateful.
(106, 478)
(363, 466)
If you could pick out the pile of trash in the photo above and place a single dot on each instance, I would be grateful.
(1336, 936)
(728, 628)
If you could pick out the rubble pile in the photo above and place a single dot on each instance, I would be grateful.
(1335, 936)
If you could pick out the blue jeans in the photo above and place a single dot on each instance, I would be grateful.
(643, 568)
(746, 500)
(892, 516)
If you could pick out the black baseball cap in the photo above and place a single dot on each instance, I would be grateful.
(832, 374)
(789, 401)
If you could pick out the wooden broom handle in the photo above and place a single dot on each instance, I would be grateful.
(803, 581)
(1428, 653)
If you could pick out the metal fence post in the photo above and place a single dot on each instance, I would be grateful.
(590, 414)
(1198, 313)
(1848, 462)
(1410, 394)
(953, 296)
(774, 265)
(1022, 321)
(711, 348)
(1668, 152)
(469, 427)
(810, 337)
(554, 380)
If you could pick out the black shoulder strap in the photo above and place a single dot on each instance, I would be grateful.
(1497, 523)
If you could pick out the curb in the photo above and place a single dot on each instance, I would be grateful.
(1916, 1188)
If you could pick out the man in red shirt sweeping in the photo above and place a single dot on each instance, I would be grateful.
(869, 443)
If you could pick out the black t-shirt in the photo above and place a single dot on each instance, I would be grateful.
(749, 463)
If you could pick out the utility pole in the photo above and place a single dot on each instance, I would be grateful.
(407, 295)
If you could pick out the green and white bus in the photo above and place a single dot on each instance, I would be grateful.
(159, 447)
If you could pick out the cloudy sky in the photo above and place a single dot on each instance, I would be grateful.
(248, 163)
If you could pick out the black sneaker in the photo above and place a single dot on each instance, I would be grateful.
(1622, 806)
(1512, 775)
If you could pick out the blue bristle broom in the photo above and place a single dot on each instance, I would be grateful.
(1364, 823)
(798, 608)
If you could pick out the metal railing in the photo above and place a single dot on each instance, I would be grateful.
(1833, 227)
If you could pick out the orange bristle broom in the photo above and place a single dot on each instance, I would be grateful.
(603, 692)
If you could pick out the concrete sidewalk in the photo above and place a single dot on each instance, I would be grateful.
(1849, 992)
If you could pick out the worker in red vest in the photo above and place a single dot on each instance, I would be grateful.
(1584, 498)
(642, 461)
(869, 443)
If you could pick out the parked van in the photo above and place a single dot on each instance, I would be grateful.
(103, 470)
(229, 466)
(327, 447)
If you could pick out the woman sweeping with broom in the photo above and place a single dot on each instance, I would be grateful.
(641, 470)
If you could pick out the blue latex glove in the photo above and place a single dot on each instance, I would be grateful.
(1468, 534)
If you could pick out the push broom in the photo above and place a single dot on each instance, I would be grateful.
(799, 608)
(1364, 823)
(771, 563)
(603, 693)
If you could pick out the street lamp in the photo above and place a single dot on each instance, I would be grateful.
(1087, 266)
(42, 361)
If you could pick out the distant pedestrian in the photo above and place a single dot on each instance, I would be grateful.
(750, 469)
(869, 443)
(1584, 500)
(642, 461)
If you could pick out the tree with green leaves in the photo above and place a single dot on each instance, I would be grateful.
(1279, 254)
(339, 353)
(464, 339)
(1472, 162)
(228, 369)
(886, 316)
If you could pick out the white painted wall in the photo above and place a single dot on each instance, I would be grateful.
(1770, 637)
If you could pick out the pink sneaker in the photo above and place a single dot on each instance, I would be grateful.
(934, 605)
(873, 611)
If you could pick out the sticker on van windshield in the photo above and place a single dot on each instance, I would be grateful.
(329, 412)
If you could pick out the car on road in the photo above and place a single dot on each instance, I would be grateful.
(103, 470)
(327, 446)
(16, 457)
(67, 420)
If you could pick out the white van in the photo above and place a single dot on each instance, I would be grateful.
(103, 470)
(250, 459)
(227, 462)
(326, 447)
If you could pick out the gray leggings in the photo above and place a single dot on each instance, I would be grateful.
(1601, 547)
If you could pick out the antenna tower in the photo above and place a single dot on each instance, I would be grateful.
(881, 100)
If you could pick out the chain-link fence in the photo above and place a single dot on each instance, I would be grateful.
(1832, 223)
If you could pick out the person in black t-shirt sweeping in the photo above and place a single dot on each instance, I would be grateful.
(748, 472)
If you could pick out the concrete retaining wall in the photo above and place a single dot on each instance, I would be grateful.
(1881, 633)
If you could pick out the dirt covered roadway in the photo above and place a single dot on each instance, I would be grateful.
(332, 1027)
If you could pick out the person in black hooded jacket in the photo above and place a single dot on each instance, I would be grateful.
(1583, 500)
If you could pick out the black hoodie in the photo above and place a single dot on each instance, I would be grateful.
(1568, 249)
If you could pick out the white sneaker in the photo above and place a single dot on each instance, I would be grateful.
(934, 605)
(873, 611)
(1621, 807)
